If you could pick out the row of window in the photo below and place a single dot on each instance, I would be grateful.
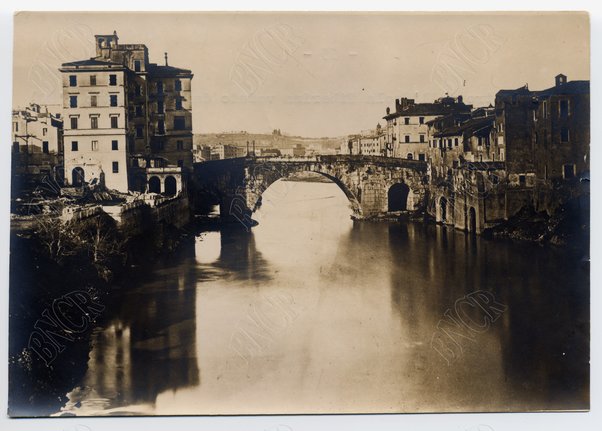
(406, 121)
(16, 129)
(113, 81)
(564, 109)
(443, 142)
(45, 147)
(93, 100)
(179, 123)
(159, 87)
(94, 145)
(407, 139)
(113, 102)
(94, 122)
(73, 80)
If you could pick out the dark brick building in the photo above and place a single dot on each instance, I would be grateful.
(544, 135)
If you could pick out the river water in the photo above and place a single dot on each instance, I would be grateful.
(312, 312)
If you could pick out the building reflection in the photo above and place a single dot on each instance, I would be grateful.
(546, 316)
(239, 256)
(150, 344)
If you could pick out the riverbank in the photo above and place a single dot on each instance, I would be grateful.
(568, 226)
(50, 261)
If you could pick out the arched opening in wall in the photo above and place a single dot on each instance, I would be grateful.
(302, 190)
(171, 186)
(77, 177)
(312, 211)
(443, 209)
(397, 197)
(472, 220)
(410, 156)
(154, 185)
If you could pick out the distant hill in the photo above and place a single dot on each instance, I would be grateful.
(265, 140)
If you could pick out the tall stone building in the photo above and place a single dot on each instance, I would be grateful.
(544, 134)
(128, 122)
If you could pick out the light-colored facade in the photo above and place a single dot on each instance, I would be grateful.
(225, 151)
(37, 141)
(373, 145)
(124, 115)
(407, 130)
(96, 129)
(37, 129)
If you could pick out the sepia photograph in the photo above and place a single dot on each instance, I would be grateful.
(299, 213)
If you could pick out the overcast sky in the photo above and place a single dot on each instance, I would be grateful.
(314, 74)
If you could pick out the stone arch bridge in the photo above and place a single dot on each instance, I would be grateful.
(374, 185)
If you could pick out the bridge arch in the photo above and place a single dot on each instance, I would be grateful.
(236, 185)
(398, 196)
(255, 200)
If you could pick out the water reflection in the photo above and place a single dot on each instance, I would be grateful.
(312, 312)
(146, 348)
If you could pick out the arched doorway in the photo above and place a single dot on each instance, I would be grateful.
(472, 220)
(154, 185)
(410, 156)
(443, 209)
(171, 186)
(77, 177)
(398, 197)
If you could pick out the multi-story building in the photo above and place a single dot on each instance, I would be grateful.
(407, 130)
(201, 153)
(373, 144)
(226, 151)
(457, 138)
(37, 137)
(128, 122)
(544, 135)
(485, 169)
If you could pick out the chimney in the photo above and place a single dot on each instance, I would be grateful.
(560, 80)
(166, 59)
(460, 99)
(397, 105)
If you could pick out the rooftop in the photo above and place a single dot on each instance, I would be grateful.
(434, 108)
(91, 62)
